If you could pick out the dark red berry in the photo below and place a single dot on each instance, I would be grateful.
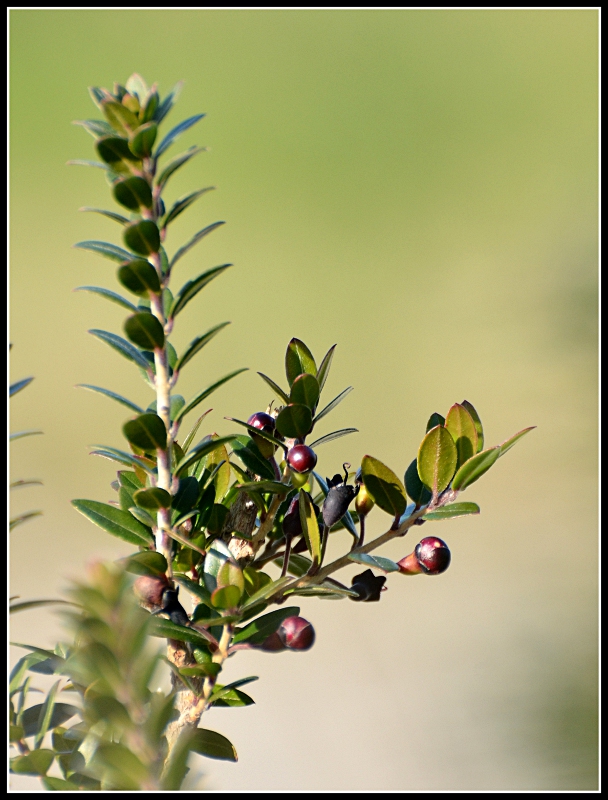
(433, 555)
(292, 525)
(149, 589)
(262, 421)
(273, 644)
(296, 633)
(302, 458)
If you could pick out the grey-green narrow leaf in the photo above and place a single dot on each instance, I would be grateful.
(330, 406)
(323, 371)
(474, 468)
(192, 288)
(453, 510)
(204, 394)
(195, 239)
(123, 347)
(197, 344)
(275, 387)
(183, 203)
(330, 437)
(115, 521)
(201, 451)
(109, 295)
(19, 385)
(505, 446)
(106, 249)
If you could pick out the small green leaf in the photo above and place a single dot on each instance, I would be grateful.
(323, 371)
(505, 446)
(434, 420)
(142, 237)
(141, 140)
(106, 249)
(147, 431)
(149, 563)
(21, 434)
(96, 127)
(204, 394)
(197, 344)
(25, 605)
(262, 627)
(142, 516)
(119, 116)
(474, 468)
(226, 597)
(437, 459)
(294, 421)
(46, 713)
(275, 387)
(167, 104)
(305, 391)
(248, 452)
(176, 132)
(298, 359)
(384, 486)
(124, 458)
(144, 330)
(35, 763)
(213, 745)
(115, 151)
(113, 296)
(310, 526)
(464, 433)
(115, 521)
(377, 562)
(267, 591)
(329, 437)
(21, 518)
(173, 165)
(452, 510)
(32, 719)
(165, 629)
(19, 385)
(414, 486)
(123, 347)
(152, 499)
(195, 239)
(199, 452)
(477, 422)
(86, 162)
(133, 193)
(109, 214)
(59, 785)
(139, 277)
(192, 288)
(232, 699)
(183, 203)
(330, 406)
(272, 487)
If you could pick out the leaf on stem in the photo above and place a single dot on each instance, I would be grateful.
(175, 164)
(144, 330)
(147, 432)
(115, 521)
(330, 437)
(452, 510)
(19, 385)
(437, 459)
(106, 249)
(183, 203)
(298, 359)
(275, 387)
(323, 371)
(310, 526)
(109, 295)
(110, 214)
(384, 486)
(330, 406)
(193, 287)
(200, 452)
(197, 344)
(123, 347)
(505, 446)
(176, 132)
(204, 394)
(195, 239)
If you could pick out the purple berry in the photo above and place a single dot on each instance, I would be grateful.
(262, 421)
(433, 555)
(302, 458)
(296, 633)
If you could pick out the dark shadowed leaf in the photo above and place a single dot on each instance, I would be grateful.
(437, 459)
(142, 237)
(213, 745)
(453, 510)
(144, 330)
(384, 486)
(199, 452)
(434, 420)
(147, 431)
(305, 391)
(115, 521)
(414, 486)
(262, 627)
(141, 141)
(197, 344)
(109, 295)
(139, 277)
(464, 433)
(133, 193)
(477, 422)
(294, 421)
(249, 454)
(165, 629)
(195, 239)
(298, 359)
(272, 487)
(152, 499)
(474, 468)
(32, 720)
(115, 151)
(149, 563)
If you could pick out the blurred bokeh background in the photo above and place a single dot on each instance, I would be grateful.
(420, 187)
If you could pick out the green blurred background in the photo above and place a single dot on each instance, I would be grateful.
(420, 187)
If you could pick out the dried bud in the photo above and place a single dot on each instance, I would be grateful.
(431, 557)
(339, 497)
(296, 633)
(368, 586)
(149, 589)
(273, 644)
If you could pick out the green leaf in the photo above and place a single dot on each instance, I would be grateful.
(152, 499)
(273, 487)
(21, 434)
(275, 387)
(109, 214)
(305, 391)
(123, 347)
(183, 203)
(197, 344)
(176, 404)
(142, 516)
(323, 371)
(453, 510)
(262, 627)
(267, 591)
(192, 433)
(144, 330)
(199, 592)
(192, 288)
(29, 482)
(147, 431)
(136, 85)
(298, 564)
(19, 385)
(32, 717)
(199, 452)
(121, 457)
(46, 713)
(139, 277)
(149, 563)
(213, 745)
(115, 521)
(384, 486)
(175, 163)
(434, 420)
(262, 434)
(195, 239)
(133, 193)
(27, 604)
(437, 459)
(414, 486)
(474, 468)
(226, 597)
(249, 454)
(86, 162)
(298, 359)
(204, 394)
(113, 296)
(119, 766)
(176, 132)
(505, 446)
(106, 249)
(21, 518)
(142, 237)
(329, 437)
(464, 433)
(35, 763)
(59, 785)
(114, 150)
(310, 526)
(167, 104)
(232, 699)
(96, 127)
(165, 629)
(330, 406)
(141, 141)
(119, 116)
(294, 421)
(377, 562)
(477, 422)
